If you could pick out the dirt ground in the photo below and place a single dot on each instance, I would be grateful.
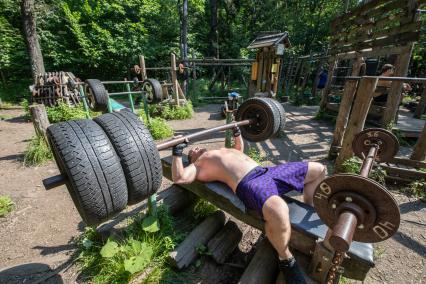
(36, 239)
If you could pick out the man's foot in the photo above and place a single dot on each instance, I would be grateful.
(292, 272)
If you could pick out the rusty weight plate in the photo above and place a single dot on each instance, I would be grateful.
(387, 217)
(386, 140)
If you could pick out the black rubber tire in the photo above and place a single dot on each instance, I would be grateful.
(96, 180)
(97, 95)
(281, 111)
(271, 122)
(154, 91)
(137, 151)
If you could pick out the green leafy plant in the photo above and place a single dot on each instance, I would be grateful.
(379, 175)
(64, 112)
(144, 244)
(352, 165)
(6, 205)
(172, 112)
(157, 126)
(203, 208)
(417, 188)
(37, 152)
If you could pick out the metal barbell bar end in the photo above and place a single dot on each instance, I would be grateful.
(54, 181)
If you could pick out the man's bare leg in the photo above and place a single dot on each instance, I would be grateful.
(278, 231)
(316, 173)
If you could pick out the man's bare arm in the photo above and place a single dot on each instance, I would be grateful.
(181, 174)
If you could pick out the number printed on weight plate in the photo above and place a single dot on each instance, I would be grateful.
(323, 192)
(382, 229)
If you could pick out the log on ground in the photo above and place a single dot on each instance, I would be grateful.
(263, 268)
(186, 252)
(225, 242)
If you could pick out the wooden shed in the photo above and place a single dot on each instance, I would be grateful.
(265, 71)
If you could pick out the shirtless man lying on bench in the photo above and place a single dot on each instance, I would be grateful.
(258, 187)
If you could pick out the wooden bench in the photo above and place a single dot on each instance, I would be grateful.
(307, 228)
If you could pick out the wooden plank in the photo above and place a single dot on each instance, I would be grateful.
(409, 162)
(404, 173)
(368, 35)
(356, 12)
(332, 65)
(366, 15)
(394, 98)
(364, 96)
(420, 109)
(174, 78)
(260, 71)
(263, 268)
(186, 252)
(370, 52)
(224, 242)
(399, 39)
(419, 151)
(143, 67)
(346, 105)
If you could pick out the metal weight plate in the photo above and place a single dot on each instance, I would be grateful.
(387, 215)
(264, 113)
(387, 142)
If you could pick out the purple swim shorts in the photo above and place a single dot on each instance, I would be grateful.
(263, 182)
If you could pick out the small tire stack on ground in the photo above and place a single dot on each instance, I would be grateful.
(113, 161)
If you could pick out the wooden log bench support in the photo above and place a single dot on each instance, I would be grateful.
(186, 252)
(307, 227)
(225, 242)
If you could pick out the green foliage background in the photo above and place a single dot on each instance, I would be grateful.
(102, 38)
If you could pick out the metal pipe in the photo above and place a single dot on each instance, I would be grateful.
(367, 164)
(188, 138)
(384, 78)
(126, 93)
(116, 82)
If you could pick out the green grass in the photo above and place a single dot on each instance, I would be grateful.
(255, 154)
(6, 205)
(157, 126)
(6, 105)
(353, 166)
(143, 247)
(203, 208)
(37, 152)
(64, 112)
(417, 188)
(170, 112)
(5, 116)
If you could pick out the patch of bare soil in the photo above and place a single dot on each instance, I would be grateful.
(36, 238)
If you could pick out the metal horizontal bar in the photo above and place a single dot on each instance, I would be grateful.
(383, 78)
(126, 93)
(188, 138)
(118, 82)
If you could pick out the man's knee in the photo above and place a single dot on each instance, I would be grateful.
(315, 171)
(276, 210)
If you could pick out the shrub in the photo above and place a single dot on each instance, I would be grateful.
(6, 205)
(157, 126)
(353, 166)
(63, 112)
(171, 112)
(203, 208)
(37, 152)
(417, 188)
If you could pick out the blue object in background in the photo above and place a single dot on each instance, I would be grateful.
(322, 79)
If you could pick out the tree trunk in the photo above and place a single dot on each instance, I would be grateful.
(30, 31)
(214, 45)
(184, 30)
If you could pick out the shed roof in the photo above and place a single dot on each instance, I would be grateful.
(270, 40)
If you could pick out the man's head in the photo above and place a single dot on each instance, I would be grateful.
(387, 70)
(195, 153)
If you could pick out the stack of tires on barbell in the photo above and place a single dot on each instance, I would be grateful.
(112, 160)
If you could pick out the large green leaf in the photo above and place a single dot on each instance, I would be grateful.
(109, 249)
(137, 263)
(150, 224)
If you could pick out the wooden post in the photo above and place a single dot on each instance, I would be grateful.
(345, 107)
(394, 98)
(143, 67)
(263, 267)
(186, 252)
(225, 242)
(420, 109)
(194, 77)
(333, 63)
(174, 78)
(39, 118)
(260, 71)
(419, 151)
(362, 103)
